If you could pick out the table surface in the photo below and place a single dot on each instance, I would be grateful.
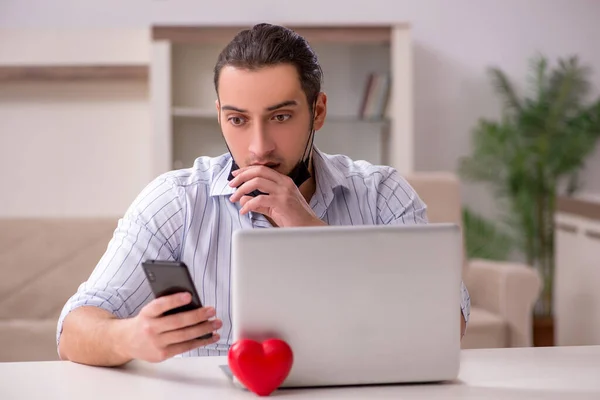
(527, 373)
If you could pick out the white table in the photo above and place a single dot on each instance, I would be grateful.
(535, 373)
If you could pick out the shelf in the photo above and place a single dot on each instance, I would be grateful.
(354, 120)
(582, 207)
(191, 112)
(354, 34)
(199, 113)
(73, 73)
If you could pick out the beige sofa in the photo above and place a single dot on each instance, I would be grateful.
(502, 294)
(43, 261)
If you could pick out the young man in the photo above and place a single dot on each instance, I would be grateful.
(269, 102)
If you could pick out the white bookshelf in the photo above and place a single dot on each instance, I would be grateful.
(185, 118)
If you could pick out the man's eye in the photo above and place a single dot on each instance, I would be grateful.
(236, 121)
(282, 117)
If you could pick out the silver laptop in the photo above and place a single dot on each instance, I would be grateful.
(357, 304)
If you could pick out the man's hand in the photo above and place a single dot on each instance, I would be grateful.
(284, 203)
(152, 337)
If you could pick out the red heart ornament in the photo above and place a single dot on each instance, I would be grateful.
(260, 367)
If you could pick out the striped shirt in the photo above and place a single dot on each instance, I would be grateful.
(186, 215)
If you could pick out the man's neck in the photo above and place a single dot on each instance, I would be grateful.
(308, 188)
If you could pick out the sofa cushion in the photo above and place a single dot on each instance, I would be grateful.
(28, 340)
(45, 260)
(441, 193)
(485, 330)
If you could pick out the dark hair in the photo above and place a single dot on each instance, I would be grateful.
(268, 45)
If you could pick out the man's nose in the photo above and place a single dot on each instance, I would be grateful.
(261, 143)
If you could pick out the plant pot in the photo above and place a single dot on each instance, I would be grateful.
(543, 331)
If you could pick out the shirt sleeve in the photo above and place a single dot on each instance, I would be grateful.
(399, 204)
(150, 229)
(465, 302)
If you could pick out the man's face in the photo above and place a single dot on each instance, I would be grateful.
(265, 117)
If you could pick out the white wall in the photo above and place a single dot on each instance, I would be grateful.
(77, 148)
(85, 151)
(454, 42)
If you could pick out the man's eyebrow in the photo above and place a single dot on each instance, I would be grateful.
(232, 108)
(271, 108)
(283, 104)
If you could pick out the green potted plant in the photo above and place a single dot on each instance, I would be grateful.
(485, 238)
(531, 154)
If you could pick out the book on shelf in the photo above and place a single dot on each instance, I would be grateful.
(375, 96)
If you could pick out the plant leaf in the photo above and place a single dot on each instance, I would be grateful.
(483, 238)
(505, 89)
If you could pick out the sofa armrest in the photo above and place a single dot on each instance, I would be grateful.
(509, 290)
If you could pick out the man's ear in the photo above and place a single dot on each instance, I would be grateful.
(320, 111)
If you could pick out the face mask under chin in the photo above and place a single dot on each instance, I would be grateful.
(299, 174)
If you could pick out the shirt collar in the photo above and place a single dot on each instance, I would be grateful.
(220, 183)
(328, 178)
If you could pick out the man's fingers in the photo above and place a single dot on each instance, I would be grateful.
(159, 306)
(190, 332)
(185, 319)
(245, 199)
(179, 348)
(259, 183)
(256, 204)
(248, 173)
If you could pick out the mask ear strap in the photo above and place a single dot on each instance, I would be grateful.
(306, 159)
(234, 166)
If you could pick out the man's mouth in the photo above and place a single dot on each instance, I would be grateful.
(268, 165)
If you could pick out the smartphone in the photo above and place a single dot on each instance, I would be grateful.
(170, 277)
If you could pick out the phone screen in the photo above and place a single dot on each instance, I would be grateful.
(170, 277)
